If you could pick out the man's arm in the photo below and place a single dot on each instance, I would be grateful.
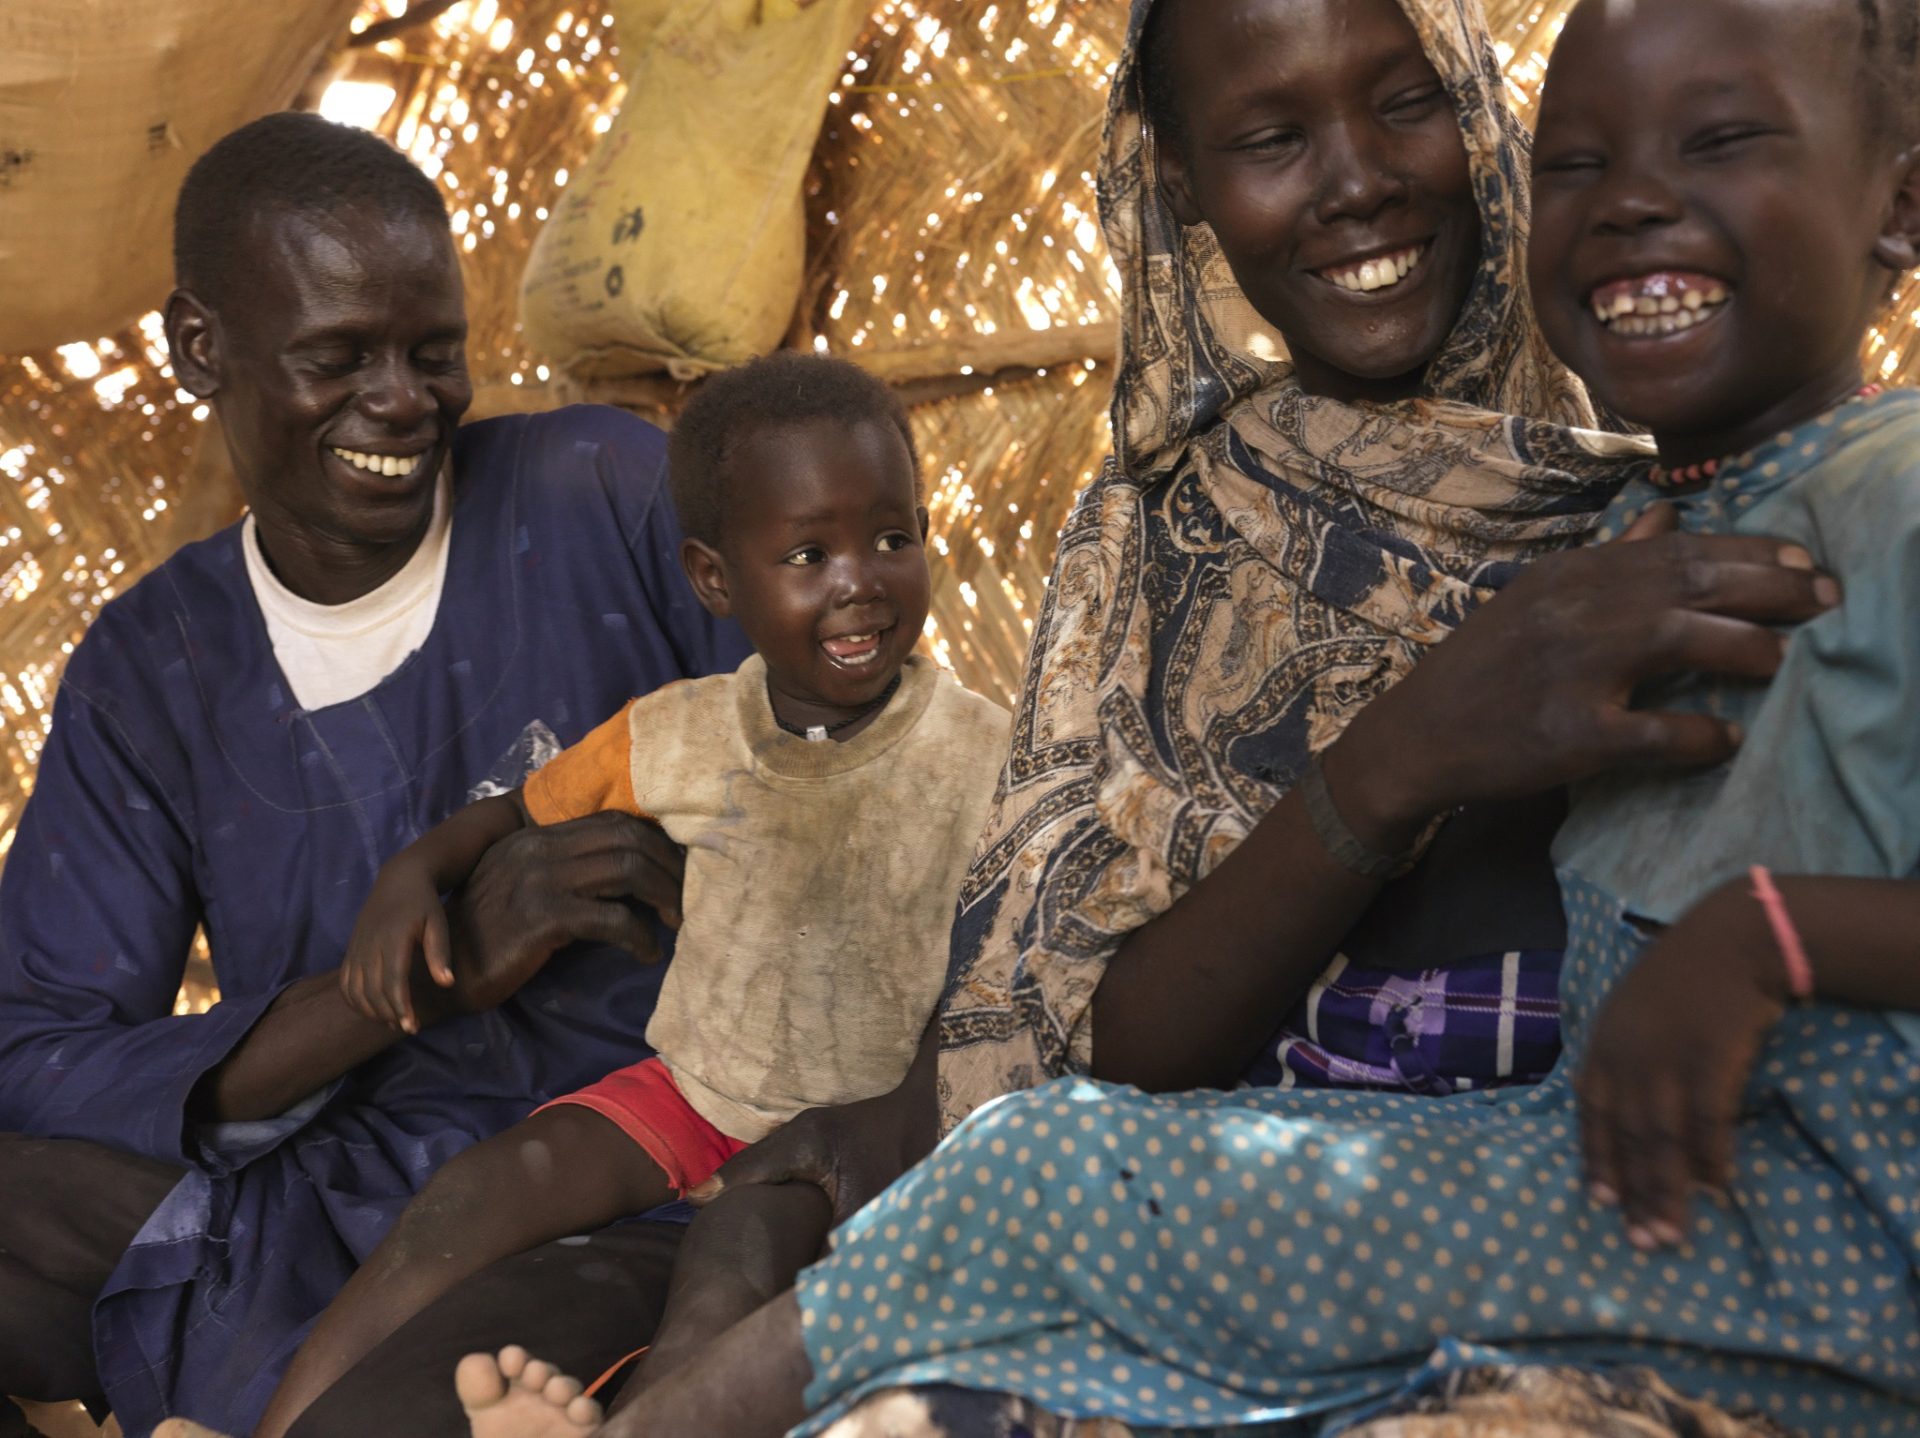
(98, 909)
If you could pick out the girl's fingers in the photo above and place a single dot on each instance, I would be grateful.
(1596, 1139)
(1655, 1175)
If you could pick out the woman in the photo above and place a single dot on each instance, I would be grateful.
(1229, 1261)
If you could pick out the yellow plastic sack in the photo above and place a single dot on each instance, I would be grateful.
(103, 106)
(681, 244)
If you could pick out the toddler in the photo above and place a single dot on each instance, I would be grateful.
(827, 794)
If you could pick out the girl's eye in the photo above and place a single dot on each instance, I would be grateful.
(891, 543)
(812, 554)
(1724, 138)
(1566, 164)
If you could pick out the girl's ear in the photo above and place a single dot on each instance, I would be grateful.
(193, 344)
(1176, 181)
(707, 573)
(1898, 247)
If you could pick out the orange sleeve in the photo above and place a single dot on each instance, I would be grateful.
(593, 776)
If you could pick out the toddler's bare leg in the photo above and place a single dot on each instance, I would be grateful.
(744, 1249)
(561, 1172)
(748, 1383)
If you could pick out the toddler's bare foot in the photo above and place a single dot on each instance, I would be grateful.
(514, 1396)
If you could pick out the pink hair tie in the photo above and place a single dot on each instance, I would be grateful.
(1793, 953)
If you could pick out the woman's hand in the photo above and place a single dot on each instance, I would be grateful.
(1534, 689)
(850, 1151)
(544, 888)
(1670, 1057)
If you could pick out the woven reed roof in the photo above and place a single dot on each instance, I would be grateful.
(954, 249)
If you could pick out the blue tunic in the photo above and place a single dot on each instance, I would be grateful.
(182, 785)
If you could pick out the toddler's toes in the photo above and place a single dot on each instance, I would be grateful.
(479, 1380)
(584, 1411)
(536, 1375)
(561, 1390)
(513, 1360)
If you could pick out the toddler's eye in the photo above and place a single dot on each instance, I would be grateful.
(892, 543)
(812, 554)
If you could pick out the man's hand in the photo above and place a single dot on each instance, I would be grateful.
(544, 888)
(1671, 1054)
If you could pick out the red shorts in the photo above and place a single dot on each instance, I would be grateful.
(650, 1109)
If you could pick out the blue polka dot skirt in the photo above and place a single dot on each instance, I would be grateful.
(1220, 1261)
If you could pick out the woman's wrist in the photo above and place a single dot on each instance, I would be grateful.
(1380, 797)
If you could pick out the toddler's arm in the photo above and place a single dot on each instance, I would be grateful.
(403, 914)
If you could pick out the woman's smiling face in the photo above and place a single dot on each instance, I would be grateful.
(1318, 142)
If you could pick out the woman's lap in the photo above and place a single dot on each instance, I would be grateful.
(1247, 1254)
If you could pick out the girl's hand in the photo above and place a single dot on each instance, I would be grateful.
(1660, 1090)
(401, 918)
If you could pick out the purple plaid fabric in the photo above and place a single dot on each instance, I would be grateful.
(1489, 1020)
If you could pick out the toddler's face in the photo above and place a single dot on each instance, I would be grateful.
(824, 560)
(1324, 151)
(1708, 200)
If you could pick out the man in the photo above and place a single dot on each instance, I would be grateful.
(407, 615)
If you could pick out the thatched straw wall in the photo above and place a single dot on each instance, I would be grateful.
(953, 237)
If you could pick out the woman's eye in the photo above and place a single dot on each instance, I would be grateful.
(1417, 104)
(1270, 140)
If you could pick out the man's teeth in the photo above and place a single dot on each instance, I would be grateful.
(1627, 312)
(1377, 274)
(390, 465)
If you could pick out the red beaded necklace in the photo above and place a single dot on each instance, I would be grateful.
(1688, 476)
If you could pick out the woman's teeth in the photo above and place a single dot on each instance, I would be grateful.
(1376, 274)
(1660, 306)
(390, 465)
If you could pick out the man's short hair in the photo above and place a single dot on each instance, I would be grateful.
(289, 162)
(785, 387)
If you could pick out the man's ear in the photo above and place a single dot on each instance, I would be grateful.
(707, 573)
(1898, 247)
(925, 525)
(1176, 182)
(194, 342)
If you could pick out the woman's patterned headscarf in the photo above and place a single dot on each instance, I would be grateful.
(1254, 565)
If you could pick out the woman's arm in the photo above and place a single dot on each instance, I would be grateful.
(1531, 692)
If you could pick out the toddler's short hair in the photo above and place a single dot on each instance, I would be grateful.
(290, 162)
(785, 387)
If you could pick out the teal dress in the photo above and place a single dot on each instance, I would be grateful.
(1285, 1259)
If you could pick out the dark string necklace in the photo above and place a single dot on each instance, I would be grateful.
(817, 732)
